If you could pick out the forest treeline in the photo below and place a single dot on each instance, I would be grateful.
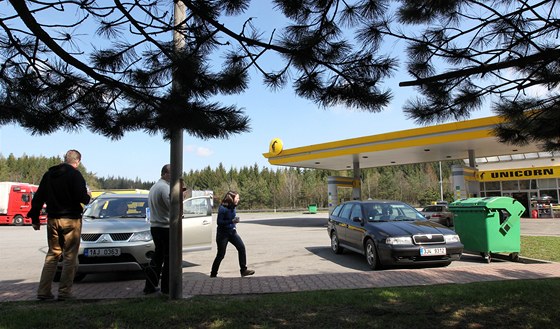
(266, 188)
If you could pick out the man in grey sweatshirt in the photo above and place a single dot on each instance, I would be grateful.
(159, 204)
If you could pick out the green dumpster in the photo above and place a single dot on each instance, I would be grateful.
(489, 225)
(312, 208)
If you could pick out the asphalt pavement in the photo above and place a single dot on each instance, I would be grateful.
(289, 252)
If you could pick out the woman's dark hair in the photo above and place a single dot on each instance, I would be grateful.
(228, 198)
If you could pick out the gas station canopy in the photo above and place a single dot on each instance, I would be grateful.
(448, 141)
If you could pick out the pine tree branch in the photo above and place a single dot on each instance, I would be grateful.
(37, 30)
(546, 55)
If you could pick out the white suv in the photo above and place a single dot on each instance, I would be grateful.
(116, 234)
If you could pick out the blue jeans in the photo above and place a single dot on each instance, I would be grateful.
(222, 239)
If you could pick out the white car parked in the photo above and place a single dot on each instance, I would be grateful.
(116, 234)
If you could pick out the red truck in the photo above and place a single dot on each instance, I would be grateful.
(15, 202)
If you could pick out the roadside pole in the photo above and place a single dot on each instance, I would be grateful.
(176, 162)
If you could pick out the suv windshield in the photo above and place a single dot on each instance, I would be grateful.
(117, 207)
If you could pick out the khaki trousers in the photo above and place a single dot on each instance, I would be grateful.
(63, 237)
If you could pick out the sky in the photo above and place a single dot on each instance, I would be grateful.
(296, 121)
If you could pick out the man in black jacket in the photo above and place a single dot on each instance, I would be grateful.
(63, 189)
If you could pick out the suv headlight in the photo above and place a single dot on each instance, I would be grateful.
(400, 240)
(143, 236)
(451, 238)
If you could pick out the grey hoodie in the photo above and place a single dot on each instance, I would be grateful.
(159, 203)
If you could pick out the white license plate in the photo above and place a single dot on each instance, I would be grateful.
(102, 252)
(433, 251)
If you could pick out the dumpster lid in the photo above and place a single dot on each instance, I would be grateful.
(497, 202)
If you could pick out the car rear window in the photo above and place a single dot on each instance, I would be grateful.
(356, 212)
(346, 209)
(336, 210)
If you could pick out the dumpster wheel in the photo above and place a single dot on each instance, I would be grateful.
(514, 256)
(487, 256)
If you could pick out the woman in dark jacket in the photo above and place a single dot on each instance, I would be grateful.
(226, 232)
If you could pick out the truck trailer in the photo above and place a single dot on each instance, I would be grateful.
(15, 202)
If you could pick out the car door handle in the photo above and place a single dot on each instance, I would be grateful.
(205, 222)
